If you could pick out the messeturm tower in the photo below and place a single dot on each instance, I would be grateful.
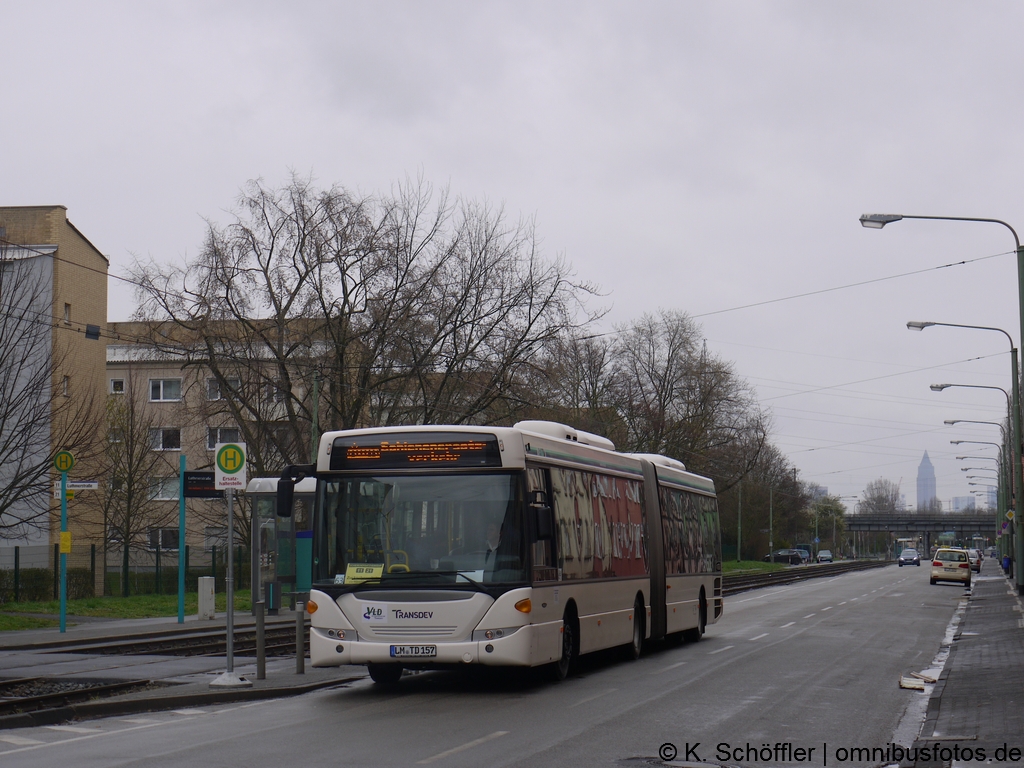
(925, 483)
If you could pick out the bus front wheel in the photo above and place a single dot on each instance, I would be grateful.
(385, 674)
(570, 647)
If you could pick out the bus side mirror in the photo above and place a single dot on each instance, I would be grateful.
(285, 495)
(292, 474)
(543, 516)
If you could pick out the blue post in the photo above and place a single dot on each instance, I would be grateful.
(181, 540)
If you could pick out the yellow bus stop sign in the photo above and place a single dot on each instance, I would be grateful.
(64, 461)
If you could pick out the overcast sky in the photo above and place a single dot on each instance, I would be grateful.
(700, 156)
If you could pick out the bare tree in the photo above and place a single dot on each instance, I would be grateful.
(399, 309)
(35, 415)
(136, 476)
(881, 497)
(677, 398)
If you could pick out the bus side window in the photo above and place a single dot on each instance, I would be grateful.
(542, 552)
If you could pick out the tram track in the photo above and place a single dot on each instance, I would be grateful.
(279, 640)
(732, 585)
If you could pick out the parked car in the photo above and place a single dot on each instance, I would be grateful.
(976, 558)
(791, 556)
(909, 557)
(825, 556)
(951, 565)
(805, 556)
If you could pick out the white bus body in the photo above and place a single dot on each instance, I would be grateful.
(406, 572)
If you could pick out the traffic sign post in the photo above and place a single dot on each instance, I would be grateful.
(230, 474)
(181, 540)
(64, 462)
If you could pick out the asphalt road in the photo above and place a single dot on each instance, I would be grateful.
(814, 664)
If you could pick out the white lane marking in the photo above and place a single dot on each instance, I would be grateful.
(19, 741)
(720, 650)
(33, 747)
(138, 721)
(843, 603)
(762, 595)
(595, 696)
(763, 634)
(188, 711)
(826, 609)
(70, 728)
(463, 747)
(787, 625)
(673, 666)
(808, 615)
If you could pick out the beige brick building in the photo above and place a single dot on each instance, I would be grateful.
(55, 300)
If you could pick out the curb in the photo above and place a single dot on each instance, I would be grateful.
(109, 708)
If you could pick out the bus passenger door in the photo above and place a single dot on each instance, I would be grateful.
(656, 551)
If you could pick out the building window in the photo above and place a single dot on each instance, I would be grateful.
(164, 390)
(214, 391)
(115, 435)
(163, 488)
(117, 386)
(65, 386)
(215, 537)
(216, 435)
(167, 538)
(274, 392)
(165, 439)
(67, 314)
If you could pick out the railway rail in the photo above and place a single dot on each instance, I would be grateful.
(732, 585)
(30, 694)
(279, 641)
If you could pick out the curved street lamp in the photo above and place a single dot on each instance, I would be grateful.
(952, 422)
(879, 220)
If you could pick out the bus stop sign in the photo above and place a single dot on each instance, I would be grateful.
(229, 472)
(64, 461)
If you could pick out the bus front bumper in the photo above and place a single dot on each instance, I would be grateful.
(515, 649)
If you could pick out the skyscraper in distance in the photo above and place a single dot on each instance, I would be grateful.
(925, 483)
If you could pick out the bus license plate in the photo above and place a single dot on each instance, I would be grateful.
(413, 651)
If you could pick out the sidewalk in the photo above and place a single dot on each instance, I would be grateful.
(978, 702)
(178, 682)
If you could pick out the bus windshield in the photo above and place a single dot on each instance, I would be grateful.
(420, 530)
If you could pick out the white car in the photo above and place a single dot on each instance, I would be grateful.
(825, 556)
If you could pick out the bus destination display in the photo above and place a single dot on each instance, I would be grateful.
(409, 450)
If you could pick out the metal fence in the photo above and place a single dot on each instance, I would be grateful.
(32, 573)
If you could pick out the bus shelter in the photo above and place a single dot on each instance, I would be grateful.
(282, 547)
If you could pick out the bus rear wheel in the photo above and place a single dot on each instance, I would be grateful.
(636, 645)
(385, 674)
(695, 634)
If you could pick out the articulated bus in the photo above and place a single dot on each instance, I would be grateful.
(527, 546)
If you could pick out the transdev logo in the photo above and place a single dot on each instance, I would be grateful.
(375, 612)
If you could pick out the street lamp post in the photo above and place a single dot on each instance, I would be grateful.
(1014, 459)
(1014, 418)
(879, 220)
